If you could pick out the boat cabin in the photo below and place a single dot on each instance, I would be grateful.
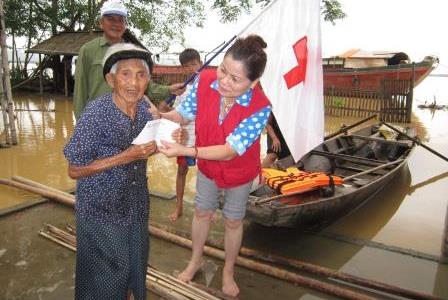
(356, 58)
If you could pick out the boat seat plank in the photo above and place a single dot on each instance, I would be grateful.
(367, 138)
(355, 159)
(357, 170)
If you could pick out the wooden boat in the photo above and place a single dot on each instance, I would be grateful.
(366, 161)
(366, 71)
(354, 69)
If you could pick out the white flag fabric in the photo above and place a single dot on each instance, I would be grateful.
(293, 77)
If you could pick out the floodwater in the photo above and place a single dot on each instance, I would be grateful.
(395, 238)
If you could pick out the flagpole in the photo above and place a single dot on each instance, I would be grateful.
(193, 76)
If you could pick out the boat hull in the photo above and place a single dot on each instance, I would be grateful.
(312, 209)
(371, 79)
(321, 212)
(337, 77)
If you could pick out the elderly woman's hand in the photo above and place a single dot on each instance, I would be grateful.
(155, 113)
(137, 152)
(180, 136)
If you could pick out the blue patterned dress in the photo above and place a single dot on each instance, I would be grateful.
(112, 207)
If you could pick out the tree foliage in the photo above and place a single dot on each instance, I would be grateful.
(161, 22)
(156, 22)
(332, 10)
(230, 10)
(23, 19)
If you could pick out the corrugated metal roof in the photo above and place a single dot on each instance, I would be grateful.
(69, 43)
(65, 43)
(358, 53)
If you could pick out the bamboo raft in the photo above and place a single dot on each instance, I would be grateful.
(162, 284)
(364, 288)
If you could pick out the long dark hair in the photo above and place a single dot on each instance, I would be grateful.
(250, 51)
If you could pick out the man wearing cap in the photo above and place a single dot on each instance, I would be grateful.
(112, 199)
(89, 82)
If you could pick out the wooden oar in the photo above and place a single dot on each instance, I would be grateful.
(417, 142)
(346, 128)
(261, 201)
(345, 179)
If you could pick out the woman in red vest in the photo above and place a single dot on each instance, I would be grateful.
(230, 111)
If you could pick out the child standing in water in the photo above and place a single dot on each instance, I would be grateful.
(190, 61)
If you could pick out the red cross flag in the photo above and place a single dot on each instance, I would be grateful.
(293, 76)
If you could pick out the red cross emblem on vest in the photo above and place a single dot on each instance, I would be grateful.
(297, 74)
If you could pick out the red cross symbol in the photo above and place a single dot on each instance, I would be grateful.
(297, 74)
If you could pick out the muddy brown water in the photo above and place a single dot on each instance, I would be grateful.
(395, 238)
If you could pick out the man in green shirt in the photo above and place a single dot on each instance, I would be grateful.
(89, 80)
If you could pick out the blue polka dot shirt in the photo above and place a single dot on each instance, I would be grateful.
(118, 195)
(248, 130)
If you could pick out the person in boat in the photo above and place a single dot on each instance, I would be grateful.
(89, 81)
(112, 195)
(276, 144)
(230, 111)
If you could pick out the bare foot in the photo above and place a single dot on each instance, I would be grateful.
(176, 214)
(229, 286)
(189, 272)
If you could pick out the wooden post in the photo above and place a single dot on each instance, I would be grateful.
(65, 78)
(4, 106)
(444, 257)
(41, 75)
(7, 80)
(410, 96)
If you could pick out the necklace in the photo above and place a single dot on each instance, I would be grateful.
(227, 106)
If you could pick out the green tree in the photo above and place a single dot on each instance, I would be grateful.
(157, 23)
(161, 23)
(22, 20)
(332, 10)
(230, 10)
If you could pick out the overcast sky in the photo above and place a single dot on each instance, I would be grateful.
(414, 27)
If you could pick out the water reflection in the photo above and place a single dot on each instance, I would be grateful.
(382, 206)
(408, 213)
(42, 127)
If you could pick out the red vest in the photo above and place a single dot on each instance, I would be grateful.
(209, 132)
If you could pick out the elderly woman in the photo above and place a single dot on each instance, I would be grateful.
(112, 199)
(230, 112)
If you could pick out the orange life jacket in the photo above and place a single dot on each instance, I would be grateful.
(296, 181)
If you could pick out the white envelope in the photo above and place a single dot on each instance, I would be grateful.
(160, 129)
